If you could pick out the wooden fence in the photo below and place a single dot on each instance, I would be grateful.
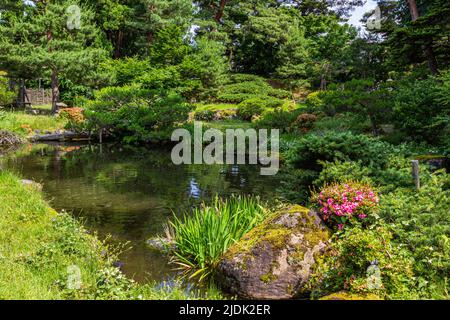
(39, 97)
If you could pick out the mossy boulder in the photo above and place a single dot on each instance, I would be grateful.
(344, 295)
(275, 260)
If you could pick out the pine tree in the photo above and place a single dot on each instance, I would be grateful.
(51, 39)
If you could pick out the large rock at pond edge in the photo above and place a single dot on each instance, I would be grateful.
(31, 184)
(275, 260)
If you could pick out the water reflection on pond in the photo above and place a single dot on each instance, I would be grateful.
(130, 193)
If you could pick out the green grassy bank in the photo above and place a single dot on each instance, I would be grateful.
(24, 124)
(40, 247)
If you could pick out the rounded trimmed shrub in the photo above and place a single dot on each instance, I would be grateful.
(249, 108)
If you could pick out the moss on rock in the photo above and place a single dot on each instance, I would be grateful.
(344, 295)
(274, 260)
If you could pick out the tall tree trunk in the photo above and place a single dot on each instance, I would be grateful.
(55, 82)
(219, 13)
(427, 48)
(55, 91)
(323, 77)
(21, 98)
(118, 45)
(150, 37)
(150, 33)
(432, 62)
(323, 82)
(373, 123)
(413, 9)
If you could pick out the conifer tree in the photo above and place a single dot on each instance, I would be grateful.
(50, 39)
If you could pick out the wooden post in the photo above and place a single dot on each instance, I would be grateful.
(415, 173)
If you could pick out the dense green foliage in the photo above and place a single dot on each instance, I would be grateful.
(408, 243)
(53, 45)
(135, 114)
(6, 95)
(415, 223)
(256, 106)
(420, 221)
(331, 146)
(241, 87)
(277, 119)
(351, 106)
(367, 261)
(420, 111)
(257, 53)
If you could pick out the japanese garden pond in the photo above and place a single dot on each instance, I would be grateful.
(130, 193)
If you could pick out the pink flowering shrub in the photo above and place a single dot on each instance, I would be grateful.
(341, 204)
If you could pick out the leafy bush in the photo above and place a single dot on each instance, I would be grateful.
(6, 96)
(72, 93)
(160, 78)
(420, 220)
(73, 116)
(136, 114)
(443, 90)
(342, 122)
(201, 237)
(348, 203)
(363, 97)
(333, 146)
(256, 106)
(366, 261)
(126, 71)
(420, 110)
(242, 87)
(249, 108)
(175, 65)
(206, 63)
(314, 102)
(271, 103)
(279, 93)
(243, 77)
(395, 173)
(278, 119)
(341, 171)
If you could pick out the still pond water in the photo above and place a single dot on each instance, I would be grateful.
(131, 193)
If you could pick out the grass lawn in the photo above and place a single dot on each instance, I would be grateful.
(45, 107)
(214, 106)
(40, 248)
(25, 124)
(229, 124)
